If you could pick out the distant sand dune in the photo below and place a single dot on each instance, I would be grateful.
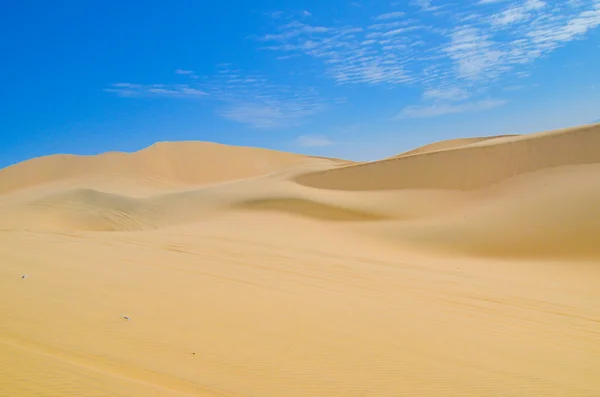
(471, 167)
(166, 165)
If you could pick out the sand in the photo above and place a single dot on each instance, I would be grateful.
(464, 268)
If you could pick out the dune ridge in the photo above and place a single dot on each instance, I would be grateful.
(472, 167)
(449, 144)
(164, 164)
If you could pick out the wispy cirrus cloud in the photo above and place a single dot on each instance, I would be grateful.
(453, 52)
(268, 113)
(350, 54)
(426, 5)
(390, 15)
(507, 41)
(154, 90)
(254, 100)
(467, 47)
(519, 12)
(189, 73)
(450, 94)
(313, 141)
(435, 110)
(246, 98)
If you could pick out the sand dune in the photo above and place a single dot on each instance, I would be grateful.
(163, 165)
(547, 214)
(450, 144)
(474, 166)
(463, 268)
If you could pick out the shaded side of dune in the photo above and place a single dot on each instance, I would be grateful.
(85, 210)
(471, 167)
(549, 214)
(310, 209)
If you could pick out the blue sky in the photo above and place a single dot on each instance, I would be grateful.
(354, 79)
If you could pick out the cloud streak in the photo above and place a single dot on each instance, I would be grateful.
(436, 110)
(469, 43)
(246, 98)
(254, 100)
(452, 52)
(313, 141)
(130, 90)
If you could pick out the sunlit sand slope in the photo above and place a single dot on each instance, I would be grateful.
(474, 166)
(267, 305)
(163, 165)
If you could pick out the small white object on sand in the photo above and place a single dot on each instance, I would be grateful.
(24, 276)
(126, 318)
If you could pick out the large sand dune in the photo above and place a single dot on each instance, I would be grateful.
(463, 268)
(163, 165)
(469, 167)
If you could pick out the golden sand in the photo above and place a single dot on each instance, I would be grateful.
(465, 268)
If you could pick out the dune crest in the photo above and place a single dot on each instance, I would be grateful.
(449, 144)
(471, 167)
(162, 165)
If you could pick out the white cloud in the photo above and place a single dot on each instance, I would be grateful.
(313, 141)
(190, 73)
(255, 114)
(519, 12)
(435, 110)
(352, 54)
(154, 90)
(266, 114)
(184, 72)
(253, 100)
(390, 15)
(425, 5)
(247, 98)
(474, 55)
(549, 36)
(282, 57)
(464, 45)
(452, 56)
(448, 94)
(295, 29)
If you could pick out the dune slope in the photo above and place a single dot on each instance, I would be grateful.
(471, 167)
(166, 164)
(449, 144)
(548, 214)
